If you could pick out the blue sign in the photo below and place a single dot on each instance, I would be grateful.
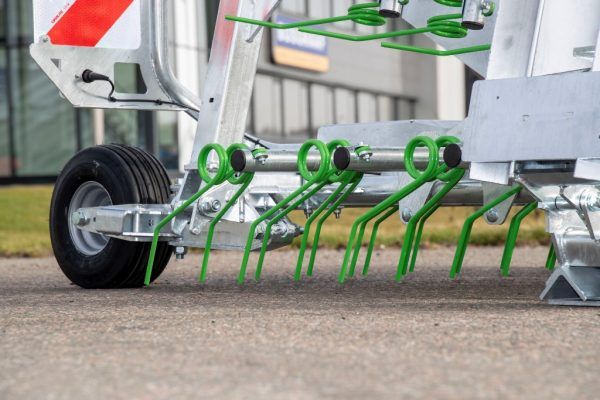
(297, 49)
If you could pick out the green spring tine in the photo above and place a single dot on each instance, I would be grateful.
(433, 52)
(454, 177)
(440, 25)
(459, 256)
(311, 179)
(358, 245)
(365, 38)
(419, 237)
(313, 253)
(299, 24)
(551, 260)
(244, 180)
(344, 178)
(332, 177)
(372, 214)
(367, 14)
(254, 226)
(371, 248)
(220, 177)
(420, 180)
(279, 217)
(359, 13)
(213, 224)
(309, 222)
(513, 233)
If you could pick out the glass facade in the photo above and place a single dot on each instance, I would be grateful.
(286, 109)
(40, 131)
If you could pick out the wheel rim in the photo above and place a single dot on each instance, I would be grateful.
(90, 194)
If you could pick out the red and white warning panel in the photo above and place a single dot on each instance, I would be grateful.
(109, 24)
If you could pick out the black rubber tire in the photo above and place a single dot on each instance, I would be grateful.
(130, 176)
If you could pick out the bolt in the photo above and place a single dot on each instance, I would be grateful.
(492, 215)
(488, 7)
(260, 154)
(196, 231)
(262, 158)
(210, 206)
(308, 211)
(180, 252)
(364, 152)
(280, 229)
(79, 218)
(338, 212)
(406, 214)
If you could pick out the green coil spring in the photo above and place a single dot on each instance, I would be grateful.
(222, 174)
(389, 206)
(367, 14)
(445, 26)
(362, 14)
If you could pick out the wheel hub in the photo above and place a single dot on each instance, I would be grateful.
(90, 194)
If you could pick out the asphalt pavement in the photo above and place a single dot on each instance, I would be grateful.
(479, 337)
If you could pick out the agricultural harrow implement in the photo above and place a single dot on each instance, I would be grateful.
(531, 139)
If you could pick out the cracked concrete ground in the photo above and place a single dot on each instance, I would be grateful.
(481, 336)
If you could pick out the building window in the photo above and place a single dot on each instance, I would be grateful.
(168, 139)
(289, 110)
(40, 131)
(5, 154)
(43, 125)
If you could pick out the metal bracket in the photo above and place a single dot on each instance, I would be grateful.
(498, 214)
(587, 168)
(573, 286)
(131, 222)
(585, 202)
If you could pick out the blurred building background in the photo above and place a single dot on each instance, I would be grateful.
(302, 84)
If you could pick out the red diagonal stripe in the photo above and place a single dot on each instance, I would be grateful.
(87, 21)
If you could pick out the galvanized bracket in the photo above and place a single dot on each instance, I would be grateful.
(573, 286)
(585, 202)
(498, 214)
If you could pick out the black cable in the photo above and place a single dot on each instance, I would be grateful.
(89, 76)
(255, 140)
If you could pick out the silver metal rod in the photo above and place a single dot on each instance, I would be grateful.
(273, 161)
(380, 159)
(374, 160)
(466, 193)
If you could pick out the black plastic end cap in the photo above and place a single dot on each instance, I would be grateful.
(341, 158)
(389, 13)
(238, 160)
(453, 155)
(472, 25)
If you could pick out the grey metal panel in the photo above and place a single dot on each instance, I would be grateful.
(554, 50)
(513, 38)
(386, 134)
(596, 66)
(555, 117)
